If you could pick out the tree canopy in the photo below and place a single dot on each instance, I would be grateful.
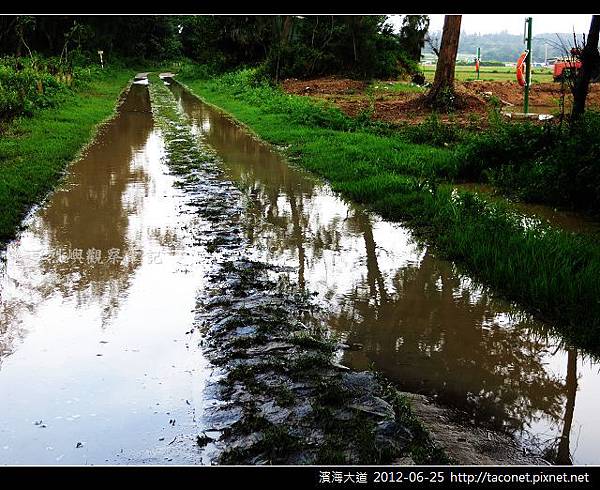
(355, 45)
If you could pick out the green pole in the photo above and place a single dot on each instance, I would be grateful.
(478, 61)
(528, 24)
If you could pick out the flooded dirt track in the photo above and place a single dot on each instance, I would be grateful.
(101, 295)
(421, 322)
(96, 299)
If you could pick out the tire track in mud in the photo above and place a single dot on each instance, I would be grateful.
(278, 394)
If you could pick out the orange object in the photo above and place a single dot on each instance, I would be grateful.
(477, 65)
(521, 69)
(560, 67)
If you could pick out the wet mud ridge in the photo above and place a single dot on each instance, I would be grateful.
(278, 394)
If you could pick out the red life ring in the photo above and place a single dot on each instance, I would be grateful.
(521, 69)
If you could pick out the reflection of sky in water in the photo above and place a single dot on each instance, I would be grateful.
(423, 323)
(98, 354)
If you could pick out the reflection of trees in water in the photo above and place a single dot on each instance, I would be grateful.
(283, 220)
(438, 337)
(429, 329)
(90, 212)
(94, 214)
(375, 280)
(557, 449)
(563, 455)
(11, 330)
(429, 338)
(137, 100)
(280, 204)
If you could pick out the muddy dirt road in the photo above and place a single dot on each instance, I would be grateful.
(100, 357)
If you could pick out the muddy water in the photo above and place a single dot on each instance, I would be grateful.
(565, 219)
(96, 300)
(423, 323)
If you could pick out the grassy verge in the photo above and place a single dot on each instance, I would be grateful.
(552, 272)
(35, 151)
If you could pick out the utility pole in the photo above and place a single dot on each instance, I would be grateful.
(478, 62)
(528, 31)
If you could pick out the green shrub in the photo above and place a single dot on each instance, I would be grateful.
(198, 71)
(550, 164)
(503, 144)
(27, 85)
(433, 132)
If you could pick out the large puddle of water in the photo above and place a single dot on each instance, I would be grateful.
(96, 298)
(423, 323)
(99, 291)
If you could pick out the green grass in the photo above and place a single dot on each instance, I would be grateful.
(34, 152)
(491, 73)
(552, 272)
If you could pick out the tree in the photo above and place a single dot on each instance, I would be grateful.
(433, 41)
(441, 94)
(283, 28)
(358, 46)
(590, 63)
(413, 35)
(24, 23)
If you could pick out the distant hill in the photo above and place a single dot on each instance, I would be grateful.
(507, 47)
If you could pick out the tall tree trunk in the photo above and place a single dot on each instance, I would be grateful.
(312, 41)
(590, 62)
(563, 455)
(19, 30)
(443, 84)
(285, 33)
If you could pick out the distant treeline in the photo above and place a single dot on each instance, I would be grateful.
(285, 45)
(507, 47)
